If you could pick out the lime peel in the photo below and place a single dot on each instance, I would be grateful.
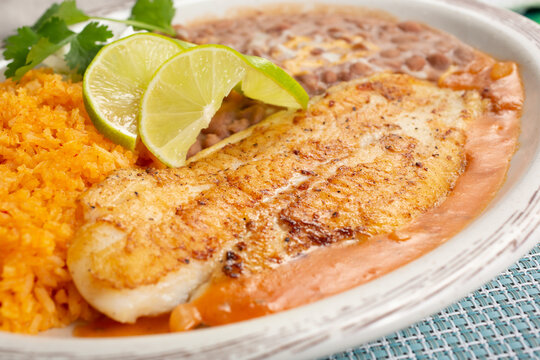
(282, 85)
(203, 76)
(117, 77)
(179, 102)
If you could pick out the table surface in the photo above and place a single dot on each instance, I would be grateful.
(499, 320)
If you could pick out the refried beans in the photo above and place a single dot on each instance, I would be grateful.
(321, 49)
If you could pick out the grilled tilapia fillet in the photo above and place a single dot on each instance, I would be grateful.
(364, 159)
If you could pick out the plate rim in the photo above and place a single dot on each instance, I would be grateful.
(308, 343)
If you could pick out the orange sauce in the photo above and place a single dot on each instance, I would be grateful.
(331, 270)
(491, 142)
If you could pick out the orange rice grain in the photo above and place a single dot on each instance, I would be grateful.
(49, 154)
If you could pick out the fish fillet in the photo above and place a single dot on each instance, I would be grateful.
(364, 159)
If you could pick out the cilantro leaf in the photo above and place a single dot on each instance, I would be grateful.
(66, 10)
(39, 52)
(17, 49)
(85, 46)
(56, 30)
(54, 34)
(158, 13)
(33, 44)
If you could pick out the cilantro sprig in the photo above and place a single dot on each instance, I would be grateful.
(30, 45)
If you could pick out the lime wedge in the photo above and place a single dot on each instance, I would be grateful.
(189, 88)
(116, 79)
(269, 83)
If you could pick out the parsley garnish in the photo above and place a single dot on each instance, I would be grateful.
(33, 44)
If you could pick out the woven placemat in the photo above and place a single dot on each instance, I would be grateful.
(499, 320)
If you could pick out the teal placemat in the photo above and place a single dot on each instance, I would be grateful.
(501, 320)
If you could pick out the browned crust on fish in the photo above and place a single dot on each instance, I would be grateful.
(345, 169)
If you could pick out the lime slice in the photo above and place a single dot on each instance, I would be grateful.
(116, 79)
(189, 88)
(182, 98)
(268, 83)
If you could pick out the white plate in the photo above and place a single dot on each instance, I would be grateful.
(506, 230)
